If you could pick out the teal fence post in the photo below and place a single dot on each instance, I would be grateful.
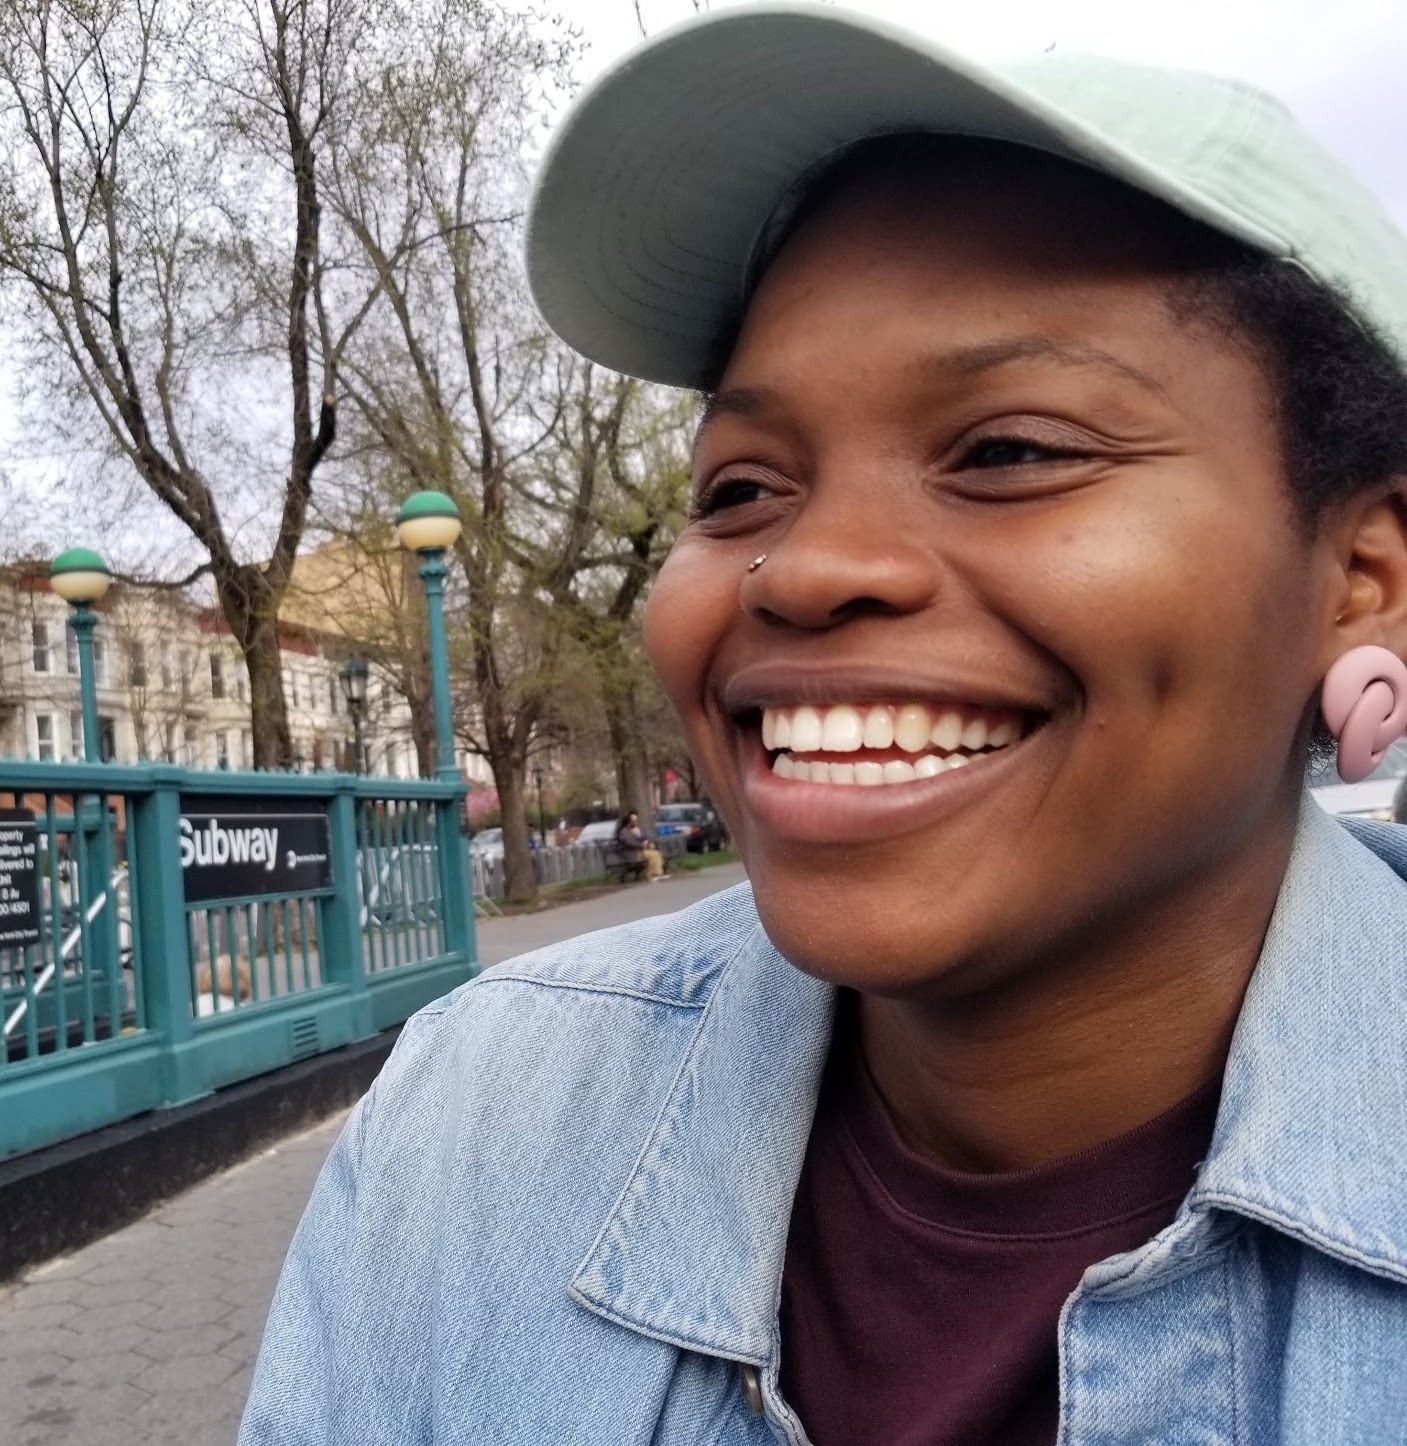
(164, 939)
(340, 948)
(456, 890)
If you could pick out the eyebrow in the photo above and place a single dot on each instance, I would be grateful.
(974, 360)
(964, 363)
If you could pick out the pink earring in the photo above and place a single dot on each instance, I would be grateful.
(1365, 705)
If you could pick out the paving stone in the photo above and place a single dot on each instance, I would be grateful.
(148, 1338)
(186, 1373)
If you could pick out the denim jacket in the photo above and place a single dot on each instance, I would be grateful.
(558, 1217)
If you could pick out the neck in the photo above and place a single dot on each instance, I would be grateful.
(1082, 1046)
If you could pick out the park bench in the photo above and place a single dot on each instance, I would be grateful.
(623, 868)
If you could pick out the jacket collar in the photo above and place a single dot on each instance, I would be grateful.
(691, 1251)
(1310, 1139)
(1311, 1134)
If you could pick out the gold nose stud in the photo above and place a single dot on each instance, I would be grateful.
(756, 563)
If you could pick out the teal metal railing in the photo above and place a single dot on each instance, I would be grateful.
(173, 931)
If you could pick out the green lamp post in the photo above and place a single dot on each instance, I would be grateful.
(429, 525)
(81, 577)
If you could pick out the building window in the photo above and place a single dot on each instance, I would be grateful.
(393, 759)
(100, 662)
(217, 676)
(334, 696)
(168, 752)
(107, 739)
(40, 633)
(44, 737)
(222, 749)
(192, 746)
(246, 750)
(75, 733)
(137, 661)
(166, 675)
(70, 649)
(240, 686)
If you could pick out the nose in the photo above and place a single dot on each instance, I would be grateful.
(836, 563)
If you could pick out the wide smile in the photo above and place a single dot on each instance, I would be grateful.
(856, 772)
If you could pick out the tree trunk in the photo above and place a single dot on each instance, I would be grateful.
(628, 746)
(422, 731)
(519, 880)
(250, 607)
(268, 717)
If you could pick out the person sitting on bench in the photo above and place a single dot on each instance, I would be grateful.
(637, 847)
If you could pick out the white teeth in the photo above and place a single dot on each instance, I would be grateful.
(784, 766)
(929, 765)
(974, 736)
(947, 731)
(879, 728)
(801, 771)
(841, 730)
(868, 775)
(842, 773)
(898, 771)
(958, 760)
(915, 729)
(805, 731)
(912, 728)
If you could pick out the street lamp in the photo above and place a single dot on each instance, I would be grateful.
(429, 524)
(541, 816)
(353, 679)
(81, 577)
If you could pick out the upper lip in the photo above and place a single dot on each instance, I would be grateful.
(789, 684)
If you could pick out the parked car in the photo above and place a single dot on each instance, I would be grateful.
(602, 834)
(487, 843)
(699, 824)
(1373, 797)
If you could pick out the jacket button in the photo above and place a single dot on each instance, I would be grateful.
(752, 1388)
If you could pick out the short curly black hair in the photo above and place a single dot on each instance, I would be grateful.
(1338, 390)
(1340, 394)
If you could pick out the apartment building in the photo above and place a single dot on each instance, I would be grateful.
(172, 685)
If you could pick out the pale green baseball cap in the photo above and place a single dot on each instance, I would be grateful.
(661, 182)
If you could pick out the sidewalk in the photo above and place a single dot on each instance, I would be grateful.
(148, 1338)
(150, 1335)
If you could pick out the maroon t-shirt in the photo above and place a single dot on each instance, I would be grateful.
(920, 1304)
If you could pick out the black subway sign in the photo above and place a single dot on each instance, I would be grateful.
(230, 855)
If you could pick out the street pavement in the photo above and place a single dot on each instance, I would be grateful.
(149, 1336)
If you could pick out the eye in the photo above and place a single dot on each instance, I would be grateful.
(996, 452)
(728, 493)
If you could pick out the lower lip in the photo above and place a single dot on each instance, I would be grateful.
(841, 813)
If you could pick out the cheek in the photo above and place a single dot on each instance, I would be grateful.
(1181, 611)
(688, 610)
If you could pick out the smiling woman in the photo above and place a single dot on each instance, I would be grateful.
(1048, 1083)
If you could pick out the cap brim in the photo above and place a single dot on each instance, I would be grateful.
(652, 196)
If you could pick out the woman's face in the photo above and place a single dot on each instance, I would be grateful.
(1010, 502)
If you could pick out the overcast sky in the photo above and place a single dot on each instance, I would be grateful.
(1341, 64)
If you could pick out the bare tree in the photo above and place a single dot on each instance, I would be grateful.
(161, 226)
(430, 185)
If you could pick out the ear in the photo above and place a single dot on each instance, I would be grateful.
(1369, 587)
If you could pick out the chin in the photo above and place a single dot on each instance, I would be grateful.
(874, 940)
